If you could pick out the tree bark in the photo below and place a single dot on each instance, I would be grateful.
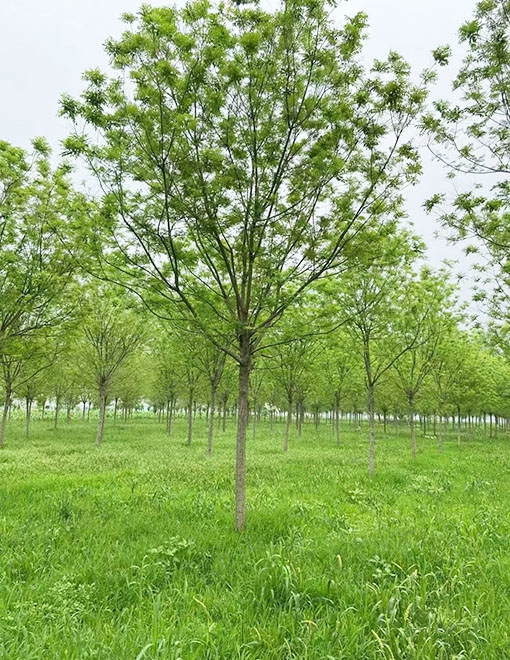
(287, 427)
(5, 415)
(57, 411)
(224, 420)
(170, 414)
(190, 417)
(211, 419)
(337, 420)
(412, 426)
(371, 432)
(28, 413)
(102, 415)
(242, 425)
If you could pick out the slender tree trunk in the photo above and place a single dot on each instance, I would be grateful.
(169, 417)
(440, 432)
(28, 414)
(57, 411)
(371, 432)
(190, 417)
(5, 415)
(287, 426)
(211, 419)
(412, 427)
(102, 414)
(68, 414)
(43, 409)
(458, 426)
(115, 406)
(89, 403)
(224, 420)
(242, 425)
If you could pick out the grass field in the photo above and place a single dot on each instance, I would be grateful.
(129, 552)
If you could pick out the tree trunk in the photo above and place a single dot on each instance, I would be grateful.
(28, 414)
(57, 411)
(224, 420)
(337, 420)
(102, 415)
(115, 406)
(287, 427)
(411, 426)
(371, 423)
(43, 409)
(5, 415)
(242, 425)
(68, 415)
(170, 414)
(211, 419)
(190, 417)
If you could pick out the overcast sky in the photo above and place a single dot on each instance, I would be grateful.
(45, 45)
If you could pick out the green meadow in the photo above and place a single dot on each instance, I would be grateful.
(129, 552)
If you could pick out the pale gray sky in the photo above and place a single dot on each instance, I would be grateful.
(45, 45)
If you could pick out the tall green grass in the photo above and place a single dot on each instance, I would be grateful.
(129, 552)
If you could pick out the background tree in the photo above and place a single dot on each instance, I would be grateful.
(426, 316)
(37, 206)
(111, 333)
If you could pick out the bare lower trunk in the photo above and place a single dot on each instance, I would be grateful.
(115, 407)
(224, 420)
(371, 432)
(287, 427)
(170, 415)
(102, 415)
(57, 412)
(211, 420)
(28, 414)
(242, 425)
(5, 415)
(412, 428)
(190, 418)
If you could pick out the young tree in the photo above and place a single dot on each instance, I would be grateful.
(110, 335)
(37, 206)
(373, 298)
(427, 316)
(239, 152)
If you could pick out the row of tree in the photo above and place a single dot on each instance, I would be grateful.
(250, 173)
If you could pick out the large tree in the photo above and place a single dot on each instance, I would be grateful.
(470, 133)
(239, 152)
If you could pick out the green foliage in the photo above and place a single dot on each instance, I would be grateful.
(472, 136)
